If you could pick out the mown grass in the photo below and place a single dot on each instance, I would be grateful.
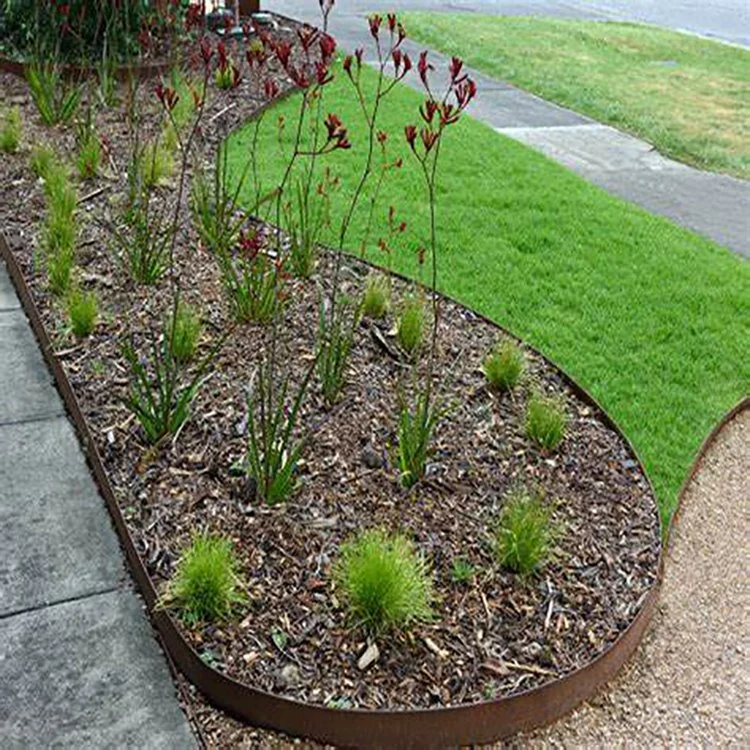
(690, 97)
(650, 318)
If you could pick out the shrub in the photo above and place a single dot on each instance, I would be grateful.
(183, 329)
(377, 296)
(42, 160)
(415, 432)
(83, 310)
(411, 324)
(385, 581)
(206, 586)
(89, 157)
(546, 421)
(10, 132)
(524, 533)
(504, 366)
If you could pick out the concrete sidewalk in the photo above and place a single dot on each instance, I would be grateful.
(79, 665)
(714, 205)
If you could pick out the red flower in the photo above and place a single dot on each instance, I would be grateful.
(375, 22)
(347, 65)
(283, 50)
(223, 60)
(167, 96)
(236, 76)
(429, 138)
(206, 51)
(428, 109)
(423, 66)
(322, 74)
(327, 47)
(465, 92)
(382, 136)
(391, 22)
(410, 131)
(307, 36)
(455, 68)
(271, 88)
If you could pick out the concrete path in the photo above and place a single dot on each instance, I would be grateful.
(79, 665)
(716, 206)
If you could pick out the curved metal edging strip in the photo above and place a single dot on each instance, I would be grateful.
(79, 72)
(471, 723)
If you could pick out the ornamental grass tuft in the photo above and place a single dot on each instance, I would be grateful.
(385, 581)
(546, 421)
(206, 586)
(504, 366)
(524, 533)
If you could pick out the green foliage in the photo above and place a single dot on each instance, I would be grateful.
(462, 571)
(546, 421)
(504, 365)
(83, 310)
(154, 164)
(56, 101)
(524, 533)
(42, 160)
(184, 328)
(182, 114)
(273, 450)
(224, 78)
(411, 324)
(376, 298)
(60, 269)
(10, 130)
(415, 432)
(386, 583)
(253, 282)
(89, 156)
(145, 241)
(334, 345)
(207, 585)
(306, 215)
(160, 395)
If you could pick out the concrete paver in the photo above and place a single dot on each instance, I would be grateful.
(57, 541)
(87, 674)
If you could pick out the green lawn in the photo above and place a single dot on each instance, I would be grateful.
(689, 97)
(651, 319)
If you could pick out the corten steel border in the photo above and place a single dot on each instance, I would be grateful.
(426, 728)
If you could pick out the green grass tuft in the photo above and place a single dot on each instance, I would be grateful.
(504, 366)
(385, 581)
(10, 130)
(83, 311)
(206, 586)
(524, 534)
(545, 421)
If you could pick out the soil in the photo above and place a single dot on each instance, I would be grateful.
(494, 636)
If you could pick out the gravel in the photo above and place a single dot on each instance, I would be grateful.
(689, 681)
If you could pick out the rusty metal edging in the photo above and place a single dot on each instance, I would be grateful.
(79, 72)
(471, 723)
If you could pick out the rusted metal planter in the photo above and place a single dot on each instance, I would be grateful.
(81, 72)
(426, 728)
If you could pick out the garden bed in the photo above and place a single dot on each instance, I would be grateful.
(494, 634)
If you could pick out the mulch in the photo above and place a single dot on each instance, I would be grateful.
(495, 635)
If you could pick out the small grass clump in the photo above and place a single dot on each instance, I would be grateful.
(415, 432)
(42, 160)
(184, 329)
(89, 157)
(155, 164)
(546, 421)
(10, 131)
(411, 324)
(60, 270)
(504, 366)
(385, 581)
(524, 534)
(376, 298)
(462, 571)
(206, 586)
(83, 311)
